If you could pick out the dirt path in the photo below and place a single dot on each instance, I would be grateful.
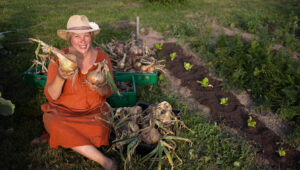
(265, 136)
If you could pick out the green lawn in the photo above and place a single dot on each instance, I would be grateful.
(212, 149)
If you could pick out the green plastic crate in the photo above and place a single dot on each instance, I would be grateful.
(33, 79)
(141, 78)
(127, 99)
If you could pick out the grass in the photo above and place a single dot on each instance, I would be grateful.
(18, 130)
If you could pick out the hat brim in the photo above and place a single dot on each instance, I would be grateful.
(63, 33)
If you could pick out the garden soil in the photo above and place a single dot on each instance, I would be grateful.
(234, 115)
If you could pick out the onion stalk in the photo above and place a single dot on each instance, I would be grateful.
(67, 62)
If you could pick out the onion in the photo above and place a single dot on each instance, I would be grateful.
(140, 51)
(137, 65)
(122, 62)
(67, 62)
(134, 50)
(150, 135)
(151, 69)
(97, 77)
(135, 110)
(133, 127)
(145, 68)
(166, 117)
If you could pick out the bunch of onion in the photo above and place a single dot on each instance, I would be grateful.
(126, 120)
(100, 77)
(67, 62)
(150, 64)
(132, 125)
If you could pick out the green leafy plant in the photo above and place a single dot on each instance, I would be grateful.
(187, 66)
(158, 46)
(281, 152)
(250, 122)
(173, 55)
(224, 101)
(269, 77)
(204, 82)
(7, 108)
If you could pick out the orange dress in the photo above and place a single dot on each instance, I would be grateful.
(73, 119)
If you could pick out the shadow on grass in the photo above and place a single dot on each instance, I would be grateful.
(17, 130)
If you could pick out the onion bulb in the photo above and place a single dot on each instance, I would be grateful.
(137, 65)
(151, 69)
(97, 77)
(66, 63)
(150, 135)
(148, 68)
(134, 50)
(122, 62)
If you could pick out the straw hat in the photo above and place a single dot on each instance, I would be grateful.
(78, 24)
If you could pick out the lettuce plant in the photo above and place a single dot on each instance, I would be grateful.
(204, 82)
(173, 55)
(224, 101)
(250, 122)
(187, 66)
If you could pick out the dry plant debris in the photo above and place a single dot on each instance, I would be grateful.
(133, 56)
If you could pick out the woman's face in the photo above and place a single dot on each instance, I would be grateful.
(81, 42)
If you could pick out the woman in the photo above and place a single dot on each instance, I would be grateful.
(70, 115)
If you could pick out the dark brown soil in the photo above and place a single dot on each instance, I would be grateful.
(124, 86)
(234, 115)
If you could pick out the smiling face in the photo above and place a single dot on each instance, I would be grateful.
(81, 42)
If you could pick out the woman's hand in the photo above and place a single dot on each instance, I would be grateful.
(55, 88)
(103, 90)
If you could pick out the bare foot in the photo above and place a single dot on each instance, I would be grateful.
(38, 141)
(114, 164)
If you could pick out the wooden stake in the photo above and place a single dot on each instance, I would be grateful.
(137, 27)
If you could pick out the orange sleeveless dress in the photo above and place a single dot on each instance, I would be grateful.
(73, 119)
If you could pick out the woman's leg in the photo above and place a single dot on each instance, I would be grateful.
(94, 154)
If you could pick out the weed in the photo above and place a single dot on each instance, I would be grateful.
(281, 152)
(184, 30)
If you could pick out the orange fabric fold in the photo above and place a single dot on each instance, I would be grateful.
(77, 117)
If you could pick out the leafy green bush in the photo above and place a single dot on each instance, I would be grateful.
(272, 78)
